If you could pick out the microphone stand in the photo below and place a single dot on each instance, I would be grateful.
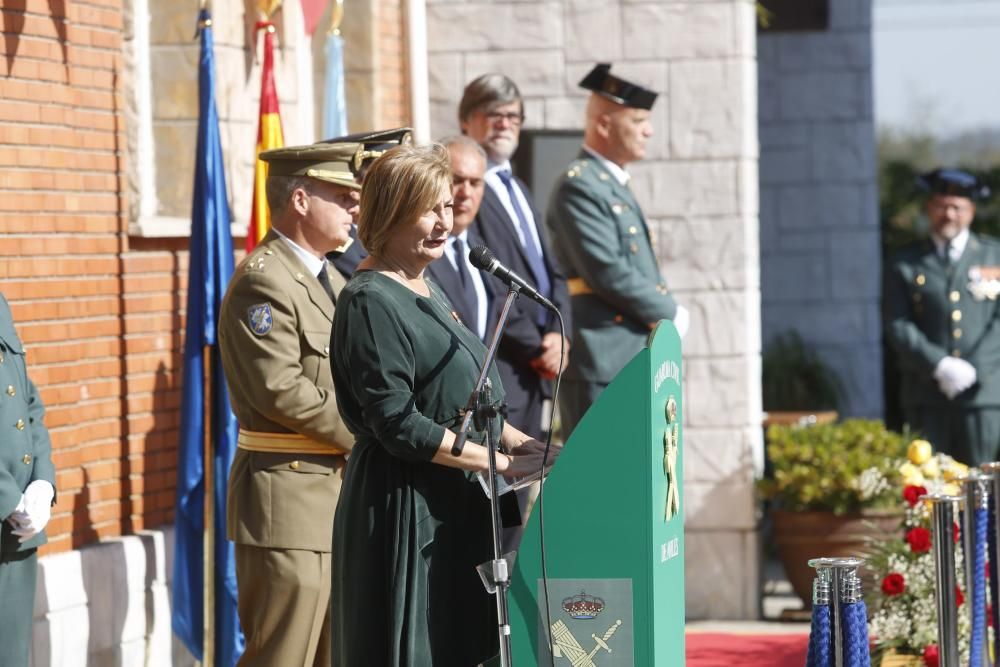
(495, 573)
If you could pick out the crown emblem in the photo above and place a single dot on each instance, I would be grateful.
(583, 607)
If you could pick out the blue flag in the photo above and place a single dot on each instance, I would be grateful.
(211, 266)
(334, 103)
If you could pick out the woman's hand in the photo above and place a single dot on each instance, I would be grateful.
(526, 459)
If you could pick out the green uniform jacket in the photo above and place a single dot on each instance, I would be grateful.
(25, 449)
(409, 533)
(933, 311)
(279, 382)
(600, 236)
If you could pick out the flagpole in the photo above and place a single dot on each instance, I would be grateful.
(208, 656)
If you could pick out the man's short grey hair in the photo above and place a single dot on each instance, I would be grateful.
(486, 92)
(464, 140)
(278, 190)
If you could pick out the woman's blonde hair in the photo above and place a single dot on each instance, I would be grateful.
(400, 186)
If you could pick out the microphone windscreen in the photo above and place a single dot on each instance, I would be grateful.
(481, 258)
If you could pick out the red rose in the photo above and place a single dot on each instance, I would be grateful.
(893, 584)
(912, 494)
(959, 598)
(931, 656)
(919, 539)
(954, 532)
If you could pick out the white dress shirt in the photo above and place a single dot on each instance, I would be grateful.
(492, 179)
(313, 263)
(620, 174)
(954, 249)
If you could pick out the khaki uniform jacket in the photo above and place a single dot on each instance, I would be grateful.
(274, 335)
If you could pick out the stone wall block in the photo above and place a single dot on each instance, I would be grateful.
(844, 323)
(60, 583)
(721, 574)
(851, 15)
(593, 31)
(811, 273)
(706, 117)
(174, 167)
(852, 254)
(235, 87)
(818, 51)
(804, 241)
(680, 30)
(819, 206)
(713, 454)
(824, 96)
(708, 309)
(61, 639)
(686, 188)
(702, 253)
(565, 113)
(536, 72)
(717, 392)
(848, 154)
(720, 504)
(173, 23)
(494, 26)
(175, 71)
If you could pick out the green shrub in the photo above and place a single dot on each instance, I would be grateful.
(842, 467)
(794, 377)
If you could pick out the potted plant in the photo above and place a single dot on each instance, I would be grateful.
(798, 387)
(833, 488)
(901, 602)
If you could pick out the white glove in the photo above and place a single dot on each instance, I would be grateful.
(682, 320)
(37, 510)
(954, 376)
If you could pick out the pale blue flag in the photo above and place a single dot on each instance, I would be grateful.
(334, 102)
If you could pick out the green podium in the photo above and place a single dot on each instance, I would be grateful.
(614, 529)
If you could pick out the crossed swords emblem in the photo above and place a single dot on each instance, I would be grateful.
(567, 646)
(671, 446)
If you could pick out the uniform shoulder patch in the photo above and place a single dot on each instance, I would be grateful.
(259, 317)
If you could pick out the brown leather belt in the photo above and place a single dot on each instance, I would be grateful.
(284, 443)
(578, 287)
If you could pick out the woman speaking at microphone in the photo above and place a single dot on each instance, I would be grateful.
(412, 521)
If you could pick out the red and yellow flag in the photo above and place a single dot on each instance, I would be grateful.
(269, 135)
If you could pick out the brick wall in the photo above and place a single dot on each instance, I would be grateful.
(393, 72)
(100, 319)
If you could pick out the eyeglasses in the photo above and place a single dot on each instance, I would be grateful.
(513, 117)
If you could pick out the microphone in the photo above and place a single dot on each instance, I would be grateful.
(481, 258)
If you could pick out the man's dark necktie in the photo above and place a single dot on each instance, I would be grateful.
(324, 280)
(465, 282)
(531, 251)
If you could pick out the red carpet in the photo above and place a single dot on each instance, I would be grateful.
(718, 649)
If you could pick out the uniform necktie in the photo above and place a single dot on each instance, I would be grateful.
(465, 281)
(535, 261)
(324, 280)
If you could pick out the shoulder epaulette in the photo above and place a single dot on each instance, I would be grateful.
(577, 167)
(257, 260)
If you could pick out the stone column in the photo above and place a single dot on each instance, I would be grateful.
(698, 188)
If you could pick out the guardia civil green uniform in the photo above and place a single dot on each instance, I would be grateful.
(933, 308)
(25, 456)
(603, 245)
(274, 338)
(408, 533)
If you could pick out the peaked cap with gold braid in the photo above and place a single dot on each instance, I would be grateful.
(332, 163)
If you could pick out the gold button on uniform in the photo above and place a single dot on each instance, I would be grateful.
(326, 350)
(632, 229)
(633, 248)
(19, 425)
(956, 316)
(294, 465)
(10, 390)
(954, 296)
(917, 296)
(617, 208)
(27, 459)
(921, 279)
(956, 353)
(956, 334)
(619, 319)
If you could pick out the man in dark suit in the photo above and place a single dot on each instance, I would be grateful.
(468, 289)
(942, 319)
(491, 113)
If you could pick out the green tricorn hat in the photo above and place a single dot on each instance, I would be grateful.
(374, 144)
(324, 162)
(601, 81)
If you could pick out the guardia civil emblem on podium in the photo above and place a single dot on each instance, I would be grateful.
(671, 446)
(591, 627)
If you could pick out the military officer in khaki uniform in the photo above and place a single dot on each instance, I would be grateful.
(274, 335)
(942, 319)
(27, 490)
(603, 244)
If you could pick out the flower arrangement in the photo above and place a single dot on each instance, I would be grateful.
(843, 468)
(902, 605)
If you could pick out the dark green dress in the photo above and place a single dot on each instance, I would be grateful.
(408, 533)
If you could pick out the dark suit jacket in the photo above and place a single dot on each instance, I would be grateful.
(347, 262)
(443, 273)
(523, 336)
